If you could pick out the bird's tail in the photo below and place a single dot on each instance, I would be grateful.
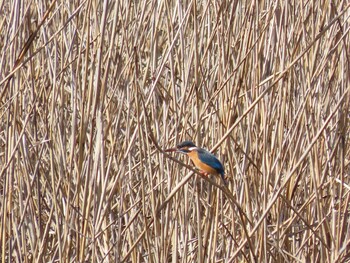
(223, 178)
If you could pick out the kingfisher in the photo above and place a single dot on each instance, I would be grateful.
(206, 162)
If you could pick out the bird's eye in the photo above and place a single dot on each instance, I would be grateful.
(184, 149)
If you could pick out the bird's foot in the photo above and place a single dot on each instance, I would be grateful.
(204, 173)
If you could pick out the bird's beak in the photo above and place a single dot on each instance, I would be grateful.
(175, 150)
(170, 150)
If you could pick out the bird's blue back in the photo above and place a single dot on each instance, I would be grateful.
(211, 160)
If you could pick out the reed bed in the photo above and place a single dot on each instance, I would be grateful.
(92, 92)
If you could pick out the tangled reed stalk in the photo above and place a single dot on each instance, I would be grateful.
(91, 92)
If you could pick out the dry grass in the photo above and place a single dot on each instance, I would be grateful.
(91, 92)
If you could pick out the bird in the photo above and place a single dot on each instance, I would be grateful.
(206, 162)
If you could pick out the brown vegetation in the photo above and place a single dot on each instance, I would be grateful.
(92, 91)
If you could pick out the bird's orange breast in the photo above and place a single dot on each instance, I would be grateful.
(200, 165)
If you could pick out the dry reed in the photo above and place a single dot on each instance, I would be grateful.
(92, 91)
